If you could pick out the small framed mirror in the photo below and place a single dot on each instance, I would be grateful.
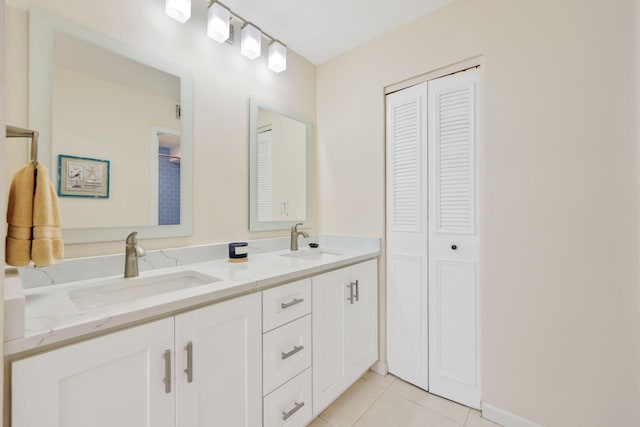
(280, 165)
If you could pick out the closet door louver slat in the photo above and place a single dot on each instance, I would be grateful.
(455, 210)
(406, 166)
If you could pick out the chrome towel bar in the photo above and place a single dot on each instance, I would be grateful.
(16, 132)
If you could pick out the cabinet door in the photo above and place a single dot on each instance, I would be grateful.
(114, 380)
(362, 336)
(225, 386)
(329, 299)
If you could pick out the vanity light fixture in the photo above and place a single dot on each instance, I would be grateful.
(218, 22)
(277, 56)
(250, 41)
(219, 28)
(180, 10)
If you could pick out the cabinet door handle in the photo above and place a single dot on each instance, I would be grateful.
(296, 349)
(357, 285)
(296, 408)
(295, 301)
(167, 371)
(350, 299)
(189, 370)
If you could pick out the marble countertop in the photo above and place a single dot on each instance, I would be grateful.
(52, 317)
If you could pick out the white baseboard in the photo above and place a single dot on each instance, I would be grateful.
(505, 418)
(381, 368)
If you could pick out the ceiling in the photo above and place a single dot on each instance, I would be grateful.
(321, 30)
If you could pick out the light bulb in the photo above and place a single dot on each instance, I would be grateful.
(180, 10)
(218, 22)
(250, 41)
(277, 56)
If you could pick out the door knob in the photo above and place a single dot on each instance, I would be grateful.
(454, 247)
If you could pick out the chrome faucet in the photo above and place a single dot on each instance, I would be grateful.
(132, 253)
(294, 236)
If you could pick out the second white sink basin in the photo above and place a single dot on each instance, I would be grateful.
(313, 255)
(120, 290)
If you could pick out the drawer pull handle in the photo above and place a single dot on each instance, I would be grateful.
(350, 299)
(296, 349)
(286, 415)
(189, 370)
(295, 301)
(167, 371)
(357, 285)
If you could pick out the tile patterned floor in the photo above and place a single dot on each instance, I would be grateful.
(377, 401)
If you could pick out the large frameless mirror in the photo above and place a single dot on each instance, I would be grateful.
(99, 103)
(280, 152)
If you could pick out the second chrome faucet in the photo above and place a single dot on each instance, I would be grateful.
(294, 236)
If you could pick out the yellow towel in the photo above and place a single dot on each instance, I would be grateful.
(47, 247)
(34, 220)
(20, 217)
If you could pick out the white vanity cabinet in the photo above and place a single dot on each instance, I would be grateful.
(113, 380)
(137, 377)
(345, 329)
(287, 351)
(219, 364)
(275, 358)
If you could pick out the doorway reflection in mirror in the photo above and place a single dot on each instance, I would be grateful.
(169, 179)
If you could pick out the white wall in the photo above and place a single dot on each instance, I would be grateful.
(559, 286)
(288, 165)
(223, 82)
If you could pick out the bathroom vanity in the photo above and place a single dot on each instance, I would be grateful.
(269, 342)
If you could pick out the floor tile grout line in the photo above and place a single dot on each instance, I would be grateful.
(369, 407)
(395, 379)
(430, 409)
(433, 410)
(388, 389)
(467, 419)
(326, 421)
(365, 411)
(375, 383)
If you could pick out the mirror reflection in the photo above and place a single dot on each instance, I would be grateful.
(282, 179)
(279, 167)
(95, 98)
(131, 122)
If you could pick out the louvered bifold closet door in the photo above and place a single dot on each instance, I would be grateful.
(407, 258)
(453, 238)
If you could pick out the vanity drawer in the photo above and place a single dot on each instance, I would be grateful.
(285, 303)
(290, 405)
(286, 352)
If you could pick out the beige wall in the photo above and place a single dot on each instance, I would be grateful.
(3, 231)
(117, 129)
(559, 201)
(559, 289)
(223, 82)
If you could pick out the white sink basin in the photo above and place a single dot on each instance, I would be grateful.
(118, 290)
(313, 255)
